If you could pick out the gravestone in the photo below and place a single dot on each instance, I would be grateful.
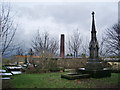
(5, 74)
(14, 69)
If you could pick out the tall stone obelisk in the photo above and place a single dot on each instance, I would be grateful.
(62, 46)
(93, 46)
(93, 63)
(94, 67)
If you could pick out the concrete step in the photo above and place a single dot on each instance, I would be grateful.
(73, 76)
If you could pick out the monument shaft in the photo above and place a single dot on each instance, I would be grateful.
(93, 63)
(93, 46)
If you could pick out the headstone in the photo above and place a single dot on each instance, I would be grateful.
(4, 74)
(14, 69)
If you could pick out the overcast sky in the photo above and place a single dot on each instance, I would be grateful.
(62, 18)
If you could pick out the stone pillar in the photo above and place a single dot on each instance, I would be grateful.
(62, 46)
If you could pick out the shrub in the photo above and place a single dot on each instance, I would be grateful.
(5, 61)
(36, 70)
(55, 69)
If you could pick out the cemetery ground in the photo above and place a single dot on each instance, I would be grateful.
(54, 80)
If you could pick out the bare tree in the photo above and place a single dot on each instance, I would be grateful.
(74, 43)
(103, 46)
(44, 44)
(113, 39)
(85, 47)
(20, 49)
(30, 52)
(8, 30)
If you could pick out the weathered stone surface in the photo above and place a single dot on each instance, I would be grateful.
(94, 66)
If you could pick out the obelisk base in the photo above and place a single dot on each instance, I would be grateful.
(94, 64)
(96, 69)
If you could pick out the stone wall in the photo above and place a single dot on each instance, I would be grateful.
(61, 62)
(68, 63)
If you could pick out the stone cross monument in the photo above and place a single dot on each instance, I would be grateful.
(93, 63)
(94, 66)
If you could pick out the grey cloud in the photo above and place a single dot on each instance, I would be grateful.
(66, 15)
(78, 13)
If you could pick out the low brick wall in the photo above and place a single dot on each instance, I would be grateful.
(72, 63)
(68, 63)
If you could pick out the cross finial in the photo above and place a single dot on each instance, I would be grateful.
(93, 13)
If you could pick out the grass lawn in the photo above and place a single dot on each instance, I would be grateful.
(54, 80)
